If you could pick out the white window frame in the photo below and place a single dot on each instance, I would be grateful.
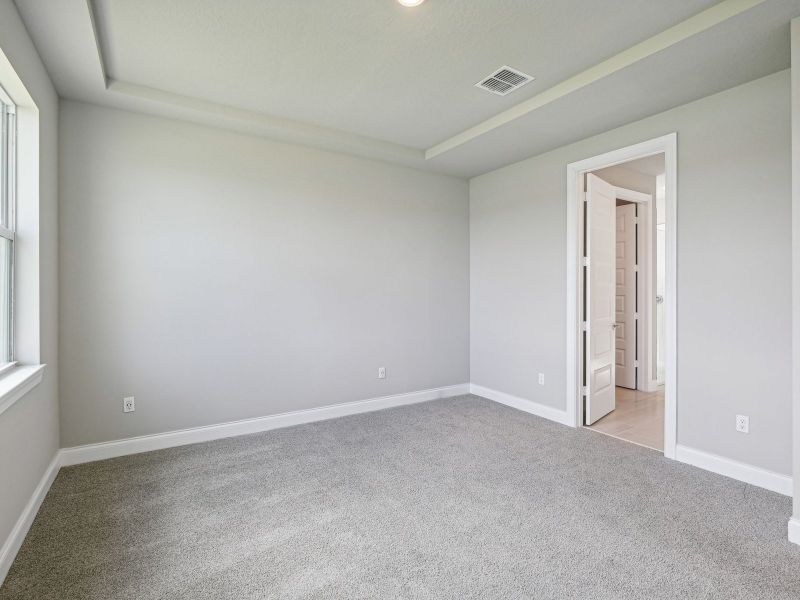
(25, 371)
(8, 203)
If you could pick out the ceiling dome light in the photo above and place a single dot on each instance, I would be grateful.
(411, 2)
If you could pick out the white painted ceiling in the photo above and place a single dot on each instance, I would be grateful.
(373, 78)
(371, 67)
(649, 165)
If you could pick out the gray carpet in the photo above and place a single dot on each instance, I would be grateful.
(459, 498)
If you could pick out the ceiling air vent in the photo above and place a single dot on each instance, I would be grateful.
(504, 81)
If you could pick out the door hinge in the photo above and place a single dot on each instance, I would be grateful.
(635, 268)
(636, 316)
(585, 261)
(585, 326)
(585, 391)
(636, 363)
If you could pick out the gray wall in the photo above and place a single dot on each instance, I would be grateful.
(217, 277)
(29, 429)
(734, 270)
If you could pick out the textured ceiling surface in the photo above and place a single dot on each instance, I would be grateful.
(739, 50)
(388, 82)
(370, 67)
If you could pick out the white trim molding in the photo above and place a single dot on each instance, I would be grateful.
(632, 195)
(770, 480)
(794, 524)
(92, 452)
(275, 127)
(146, 443)
(14, 541)
(775, 482)
(189, 108)
(528, 406)
(18, 382)
(698, 23)
(794, 530)
(668, 145)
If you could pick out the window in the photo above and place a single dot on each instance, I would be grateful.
(7, 206)
(20, 360)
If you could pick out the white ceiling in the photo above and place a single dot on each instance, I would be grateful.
(376, 79)
(371, 67)
(652, 166)
(649, 165)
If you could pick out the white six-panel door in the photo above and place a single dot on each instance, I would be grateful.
(625, 352)
(601, 226)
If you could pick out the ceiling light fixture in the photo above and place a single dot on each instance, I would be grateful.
(411, 2)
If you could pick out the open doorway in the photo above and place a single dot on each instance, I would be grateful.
(623, 247)
(632, 408)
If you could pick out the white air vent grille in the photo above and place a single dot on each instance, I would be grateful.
(504, 81)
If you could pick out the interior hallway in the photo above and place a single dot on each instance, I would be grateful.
(638, 418)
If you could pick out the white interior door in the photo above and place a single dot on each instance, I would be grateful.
(601, 226)
(625, 347)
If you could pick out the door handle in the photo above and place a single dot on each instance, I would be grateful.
(613, 326)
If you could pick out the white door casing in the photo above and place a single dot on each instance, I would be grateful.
(601, 225)
(575, 227)
(625, 351)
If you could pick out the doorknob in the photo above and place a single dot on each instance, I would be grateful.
(613, 326)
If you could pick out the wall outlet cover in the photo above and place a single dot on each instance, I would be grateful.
(381, 372)
(743, 423)
(128, 404)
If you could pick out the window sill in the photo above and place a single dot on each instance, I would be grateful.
(18, 382)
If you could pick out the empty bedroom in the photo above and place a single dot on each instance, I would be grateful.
(399, 299)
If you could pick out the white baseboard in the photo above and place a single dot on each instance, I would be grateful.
(794, 530)
(146, 443)
(769, 480)
(651, 385)
(91, 452)
(12, 544)
(528, 406)
(757, 476)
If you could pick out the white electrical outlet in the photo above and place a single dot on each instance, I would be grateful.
(541, 378)
(381, 372)
(743, 423)
(128, 404)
